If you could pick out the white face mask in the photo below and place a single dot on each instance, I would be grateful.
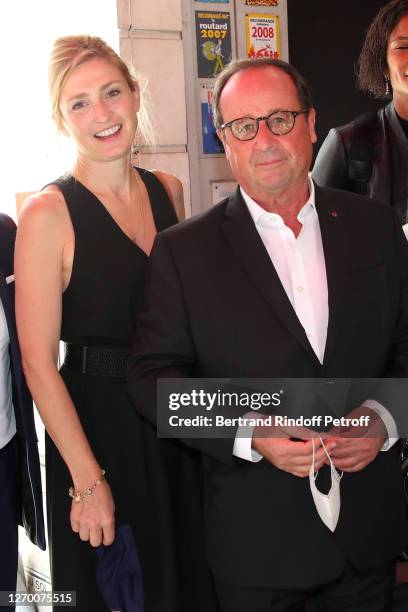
(327, 506)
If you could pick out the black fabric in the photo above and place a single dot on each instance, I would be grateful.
(111, 270)
(236, 598)
(361, 151)
(9, 516)
(237, 322)
(358, 592)
(404, 125)
(387, 181)
(98, 361)
(352, 592)
(150, 479)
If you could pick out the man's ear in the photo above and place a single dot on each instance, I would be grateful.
(221, 136)
(311, 121)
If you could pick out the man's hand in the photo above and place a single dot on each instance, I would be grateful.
(356, 447)
(291, 448)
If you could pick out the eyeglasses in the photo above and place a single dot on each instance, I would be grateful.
(279, 122)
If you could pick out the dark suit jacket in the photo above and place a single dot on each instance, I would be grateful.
(30, 478)
(389, 161)
(214, 307)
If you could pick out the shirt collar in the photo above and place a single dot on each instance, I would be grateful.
(257, 212)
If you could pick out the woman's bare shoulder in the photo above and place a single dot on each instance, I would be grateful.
(47, 206)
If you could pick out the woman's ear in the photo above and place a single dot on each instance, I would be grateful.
(63, 129)
(60, 125)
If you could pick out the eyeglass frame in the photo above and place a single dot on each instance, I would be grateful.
(294, 114)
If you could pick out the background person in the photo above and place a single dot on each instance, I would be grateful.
(82, 248)
(370, 154)
(20, 479)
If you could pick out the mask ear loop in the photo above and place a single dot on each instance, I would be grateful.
(313, 461)
(332, 466)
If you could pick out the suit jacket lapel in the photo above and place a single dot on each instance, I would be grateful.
(332, 220)
(244, 239)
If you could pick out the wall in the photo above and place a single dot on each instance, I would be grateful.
(211, 178)
(157, 38)
(150, 41)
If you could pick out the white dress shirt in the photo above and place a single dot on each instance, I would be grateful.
(7, 418)
(300, 264)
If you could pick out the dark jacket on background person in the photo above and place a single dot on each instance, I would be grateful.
(387, 164)
(31, 515)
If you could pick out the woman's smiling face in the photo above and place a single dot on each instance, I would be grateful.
(99, 110)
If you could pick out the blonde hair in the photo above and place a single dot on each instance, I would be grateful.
(71, 51)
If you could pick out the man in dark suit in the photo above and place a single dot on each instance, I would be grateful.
(20, 479)
(284, 279)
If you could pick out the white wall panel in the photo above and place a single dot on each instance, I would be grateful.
(161, 62)
(123, 12)
(153, 15)
(150, 41)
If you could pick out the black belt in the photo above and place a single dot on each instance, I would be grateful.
(97, 360)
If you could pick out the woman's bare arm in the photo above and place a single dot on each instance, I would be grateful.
(40, 270)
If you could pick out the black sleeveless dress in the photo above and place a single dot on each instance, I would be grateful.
(155, 483)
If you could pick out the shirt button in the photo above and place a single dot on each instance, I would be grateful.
(300, 288)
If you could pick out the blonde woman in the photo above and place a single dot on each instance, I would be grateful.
(82, 247)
